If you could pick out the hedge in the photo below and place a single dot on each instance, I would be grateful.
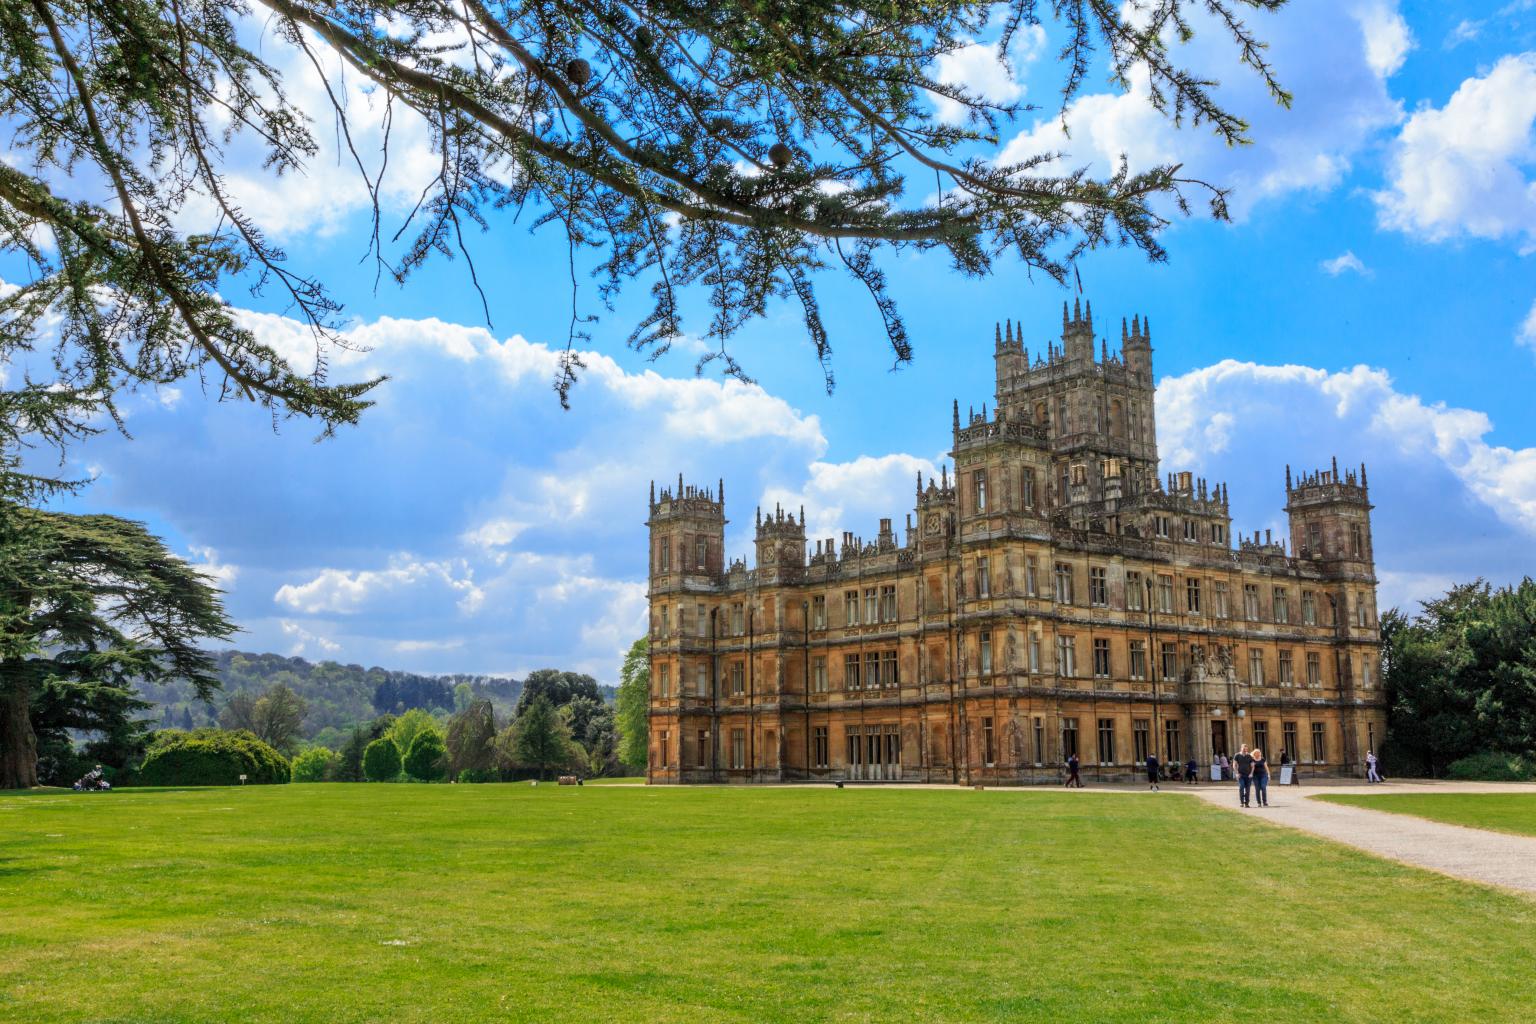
(212, 757)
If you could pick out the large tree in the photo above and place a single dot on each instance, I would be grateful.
(557, 687)
(88, 605)
(634, 706)
(1460, 677)
(738, 147)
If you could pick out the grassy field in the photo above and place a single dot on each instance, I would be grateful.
(1502, 812)
(337, 903)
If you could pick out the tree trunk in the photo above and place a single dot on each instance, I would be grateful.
(18, 743)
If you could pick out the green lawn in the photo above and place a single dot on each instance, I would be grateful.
(1502, 812)
(439, 904)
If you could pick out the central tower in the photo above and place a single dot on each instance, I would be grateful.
(1097, 413)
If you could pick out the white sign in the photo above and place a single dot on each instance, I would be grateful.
(1286, 771)
(1215, 773)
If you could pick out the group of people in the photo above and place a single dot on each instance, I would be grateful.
(1248, 766)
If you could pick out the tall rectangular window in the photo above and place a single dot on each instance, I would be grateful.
(1039, 741)
(1160, 525)
(1063, 583)
(1356, 541)
(1365, 673)
(1165, 594)
(1261, 737)
(1255, 667)
(1191, 530)
(738, 748)
(1031, 577)
(1138, 659)
(1314, 669)
(1287, 671)
(662, 745)
(1066, 657)
(738, 679)
(1319, 744)
(986, 652)
(851, 607)
(888, 603)
(871, 670)
(819, 674)
(851, 672)
(1098, 586)
(1141, 733)
(1170, 659)
(1106, 741)
(702, 758)
(1068, 737)
(700, 548)
(703, 620)
(989, 750)
(983, 578)
(889, 674)
(738, 620)
(1308, 608)
(871, 605)
(1171, 746)
(701, 680)
(981, 490)
(1292, 744)
(1100, 658)
(664, 679)
(664, 555)
(1250, 601)
(821, 750)
(819, 612)
(1133, 595)
(1221, 608)
(1282, 606)
(1034, 652)
(1029, 488)
(1192, 595)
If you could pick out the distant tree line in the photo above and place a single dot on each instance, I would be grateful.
(1460, 679)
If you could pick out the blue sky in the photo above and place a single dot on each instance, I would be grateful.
(1374, 299)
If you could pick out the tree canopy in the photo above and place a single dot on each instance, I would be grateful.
(88, 605)
(632, 715)
(1460, 676)
(736, 148)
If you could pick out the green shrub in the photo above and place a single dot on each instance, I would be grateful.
(426, 758)
(1493, 766)
(317, 764)
(211, 757)
(477, 775)
(381, 761)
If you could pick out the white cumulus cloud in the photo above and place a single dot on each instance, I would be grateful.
(1466, 169)
(1344, 261)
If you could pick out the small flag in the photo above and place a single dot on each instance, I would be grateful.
(1079, 277)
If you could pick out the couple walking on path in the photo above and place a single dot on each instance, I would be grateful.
(1252, 776)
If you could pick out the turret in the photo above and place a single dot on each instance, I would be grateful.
(1136, 347)
(687, 532)
(1330, 517)
(780, 545)
(1077, 333)
(1009, 356)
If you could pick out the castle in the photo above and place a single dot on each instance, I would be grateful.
(1056, 595)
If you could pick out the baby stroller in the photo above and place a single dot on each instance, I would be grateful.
(93, 781)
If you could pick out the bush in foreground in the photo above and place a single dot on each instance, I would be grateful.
(1493, 766)
(381, 761)
(211, 757)
(317, 764)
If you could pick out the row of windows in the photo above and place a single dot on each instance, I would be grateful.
(877, 605)
(869, 748)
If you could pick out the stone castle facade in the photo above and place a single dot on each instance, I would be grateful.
(1056, 595)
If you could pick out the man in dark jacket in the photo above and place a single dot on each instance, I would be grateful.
(1073, 778)
(1243, 765)
(1152, 767)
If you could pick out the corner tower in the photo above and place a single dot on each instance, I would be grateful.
(687, 533)
(1330, 519)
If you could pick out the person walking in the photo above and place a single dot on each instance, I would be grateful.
(1192, 773)
(1226, 768)
(1260, 778)
(1243, 765)
(1371, 774)
(1152, 767)
(1073, 778)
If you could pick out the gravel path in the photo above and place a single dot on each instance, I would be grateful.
(1494, 858)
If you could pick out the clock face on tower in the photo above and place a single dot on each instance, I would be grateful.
(934, 524)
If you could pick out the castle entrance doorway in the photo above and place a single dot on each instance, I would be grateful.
(1218, 738)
